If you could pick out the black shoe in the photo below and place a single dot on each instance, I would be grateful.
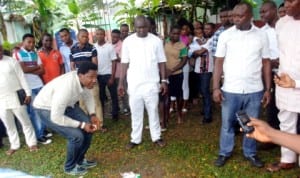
(221, 160)
(131, 145)
(160, 142)
(255, 161)
(47, 134)
(43, 140)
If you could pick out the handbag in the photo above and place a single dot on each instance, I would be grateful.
(21, 95)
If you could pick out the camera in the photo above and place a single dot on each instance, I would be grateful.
(243, 119)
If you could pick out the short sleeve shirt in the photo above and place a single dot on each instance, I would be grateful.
(30, 59)
(143, 56)
(52, 64)
(79, 55)
(243, 52)
(174, 53)
(106, 54)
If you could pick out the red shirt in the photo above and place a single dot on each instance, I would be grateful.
(52, 64)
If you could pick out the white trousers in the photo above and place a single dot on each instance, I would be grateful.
(288, 123)
(185, 86)
(7, 116)
(137, 104)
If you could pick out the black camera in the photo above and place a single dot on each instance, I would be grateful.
(243, 119)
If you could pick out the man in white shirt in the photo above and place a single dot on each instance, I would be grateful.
(268, 13)
(143, 59)
(57, 105)
(243, 55)
(106, 71)
(12, 79)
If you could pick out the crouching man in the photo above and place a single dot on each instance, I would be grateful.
(57, 102)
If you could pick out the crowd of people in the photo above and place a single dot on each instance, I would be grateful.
(232, 63)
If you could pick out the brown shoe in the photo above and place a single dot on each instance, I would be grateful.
(278, 166)
(131, 145)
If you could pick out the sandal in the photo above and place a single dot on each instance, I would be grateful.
(10, 152)
(279, 166)
(33, 148)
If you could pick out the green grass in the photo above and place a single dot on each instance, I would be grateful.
(190, 152)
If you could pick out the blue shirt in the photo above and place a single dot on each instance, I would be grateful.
(66, 51)
(79, 55)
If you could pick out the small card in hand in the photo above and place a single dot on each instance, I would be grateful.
(21, 95)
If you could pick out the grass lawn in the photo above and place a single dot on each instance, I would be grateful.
(190, 152)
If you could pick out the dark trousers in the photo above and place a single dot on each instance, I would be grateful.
(204, 89)
(272, 111)
(103, 83)
(193, 79)
(2, 132)
(78, 140)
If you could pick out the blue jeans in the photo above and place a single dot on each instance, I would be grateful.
(231, 104)
(78, 140)
(38, 126)
(204, 89)
(102, 81)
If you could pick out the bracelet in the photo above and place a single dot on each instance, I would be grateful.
(216, 89)
(92, 115)
(82, 125)
(164, 80)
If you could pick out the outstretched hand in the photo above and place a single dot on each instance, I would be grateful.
(261, 130)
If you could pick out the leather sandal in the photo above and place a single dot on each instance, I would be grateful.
(280, 166)
(10, 152)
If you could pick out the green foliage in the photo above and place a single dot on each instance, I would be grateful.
(127, 12)
(7, 46)
(253, 3)
(73, 7)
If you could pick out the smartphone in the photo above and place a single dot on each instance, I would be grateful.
(243, 119)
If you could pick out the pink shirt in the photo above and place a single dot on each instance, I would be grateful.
(288, 34)
(118, 47)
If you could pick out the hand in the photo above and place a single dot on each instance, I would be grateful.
(266, 98)
(110, 81)
(261, 130)
(89, 128)
(285, 81)
(121, 90)
(163, 88)
(27, 100)
(95, 121)
(217, 96)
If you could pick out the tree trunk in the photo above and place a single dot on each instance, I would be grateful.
(2, 27)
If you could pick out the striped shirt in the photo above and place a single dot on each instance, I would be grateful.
(79, 55)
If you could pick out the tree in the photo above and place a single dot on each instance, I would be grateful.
(127, 12)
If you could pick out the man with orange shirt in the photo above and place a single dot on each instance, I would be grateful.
(51, 59)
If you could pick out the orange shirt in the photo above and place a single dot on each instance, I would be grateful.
(52, 64)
